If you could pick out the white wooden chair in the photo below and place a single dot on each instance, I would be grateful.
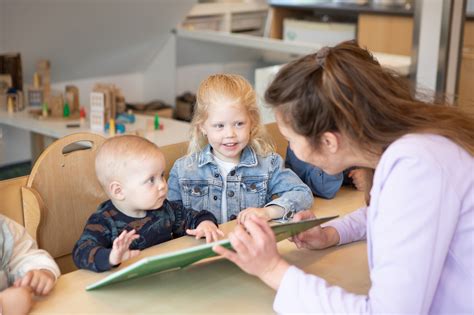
(61, 193)
(10, 196)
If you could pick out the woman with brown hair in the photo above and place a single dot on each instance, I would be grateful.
(339, 108)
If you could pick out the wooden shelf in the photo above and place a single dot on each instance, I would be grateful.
(398, 63)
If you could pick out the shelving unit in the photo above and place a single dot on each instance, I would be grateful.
(246, 18)
(396, 62)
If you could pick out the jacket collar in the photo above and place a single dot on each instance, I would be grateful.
(247, 159)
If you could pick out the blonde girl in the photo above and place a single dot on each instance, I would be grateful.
(231, 169)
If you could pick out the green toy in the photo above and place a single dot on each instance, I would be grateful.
(157, 122)
(66, 110)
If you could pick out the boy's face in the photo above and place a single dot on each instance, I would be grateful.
(144, 186)
(228, 130)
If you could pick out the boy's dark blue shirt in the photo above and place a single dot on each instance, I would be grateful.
(93, 249)
(321, 184)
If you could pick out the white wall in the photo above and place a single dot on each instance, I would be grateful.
(159, 79)
(125, 42)
(86, 39)
(2, 24)
(15, 145)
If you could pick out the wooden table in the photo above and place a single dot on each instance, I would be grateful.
(214, 285)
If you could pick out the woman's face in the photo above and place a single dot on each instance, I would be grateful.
(328, 157)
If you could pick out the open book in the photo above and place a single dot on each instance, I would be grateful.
(185, 257)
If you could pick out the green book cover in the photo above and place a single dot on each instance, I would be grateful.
(184, 257)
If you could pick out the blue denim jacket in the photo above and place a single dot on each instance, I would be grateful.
(322, 184)
(254, 182)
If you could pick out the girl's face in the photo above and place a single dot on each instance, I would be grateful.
(328, 157)
(227, 128)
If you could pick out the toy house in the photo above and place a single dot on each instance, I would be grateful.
(5, 85)
(106, 102)
(40, 91)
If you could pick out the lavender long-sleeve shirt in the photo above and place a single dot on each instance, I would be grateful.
(420, 237)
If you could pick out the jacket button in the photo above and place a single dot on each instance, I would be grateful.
(253, 186)
(215, 198)
(216, 175)
(233, 217)
(230, 194)
(232, 173)
(197, 190)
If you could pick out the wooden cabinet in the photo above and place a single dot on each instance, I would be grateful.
(466, 78)
(386, 33)
(392, 34)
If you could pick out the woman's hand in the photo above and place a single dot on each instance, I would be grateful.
(314, 238)
(255, 251)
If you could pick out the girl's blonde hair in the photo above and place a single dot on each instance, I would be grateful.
(219, 88)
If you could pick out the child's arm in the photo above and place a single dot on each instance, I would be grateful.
(198, 223)
(207, 229)
(267, 213)
(92, 251)
(41, 281)
(174, 192)
(121, 248)
(293, 194)
(16, 301)
(30, 266)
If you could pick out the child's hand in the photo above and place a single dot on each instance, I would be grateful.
(206, 229)
(40, 281)
(254, 212)
(16, 300)
(121, 247)
(360, 178)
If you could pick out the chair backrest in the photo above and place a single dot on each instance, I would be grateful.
(172, 152)
(280, 142)
(10, 196)
(61, 193)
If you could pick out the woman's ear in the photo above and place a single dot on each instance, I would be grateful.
(116, 191)
(330, 142)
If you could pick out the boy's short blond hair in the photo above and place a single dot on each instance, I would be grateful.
(116, 153)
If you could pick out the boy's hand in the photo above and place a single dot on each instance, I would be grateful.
(16, 301)
(361, 178)
(206, 229)
(121, 247)
(266, 213)
(40, 281)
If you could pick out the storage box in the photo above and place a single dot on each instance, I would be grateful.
(251, 23)
(322, 33)
(204, 23)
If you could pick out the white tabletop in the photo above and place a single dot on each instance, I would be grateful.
(174, 131)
